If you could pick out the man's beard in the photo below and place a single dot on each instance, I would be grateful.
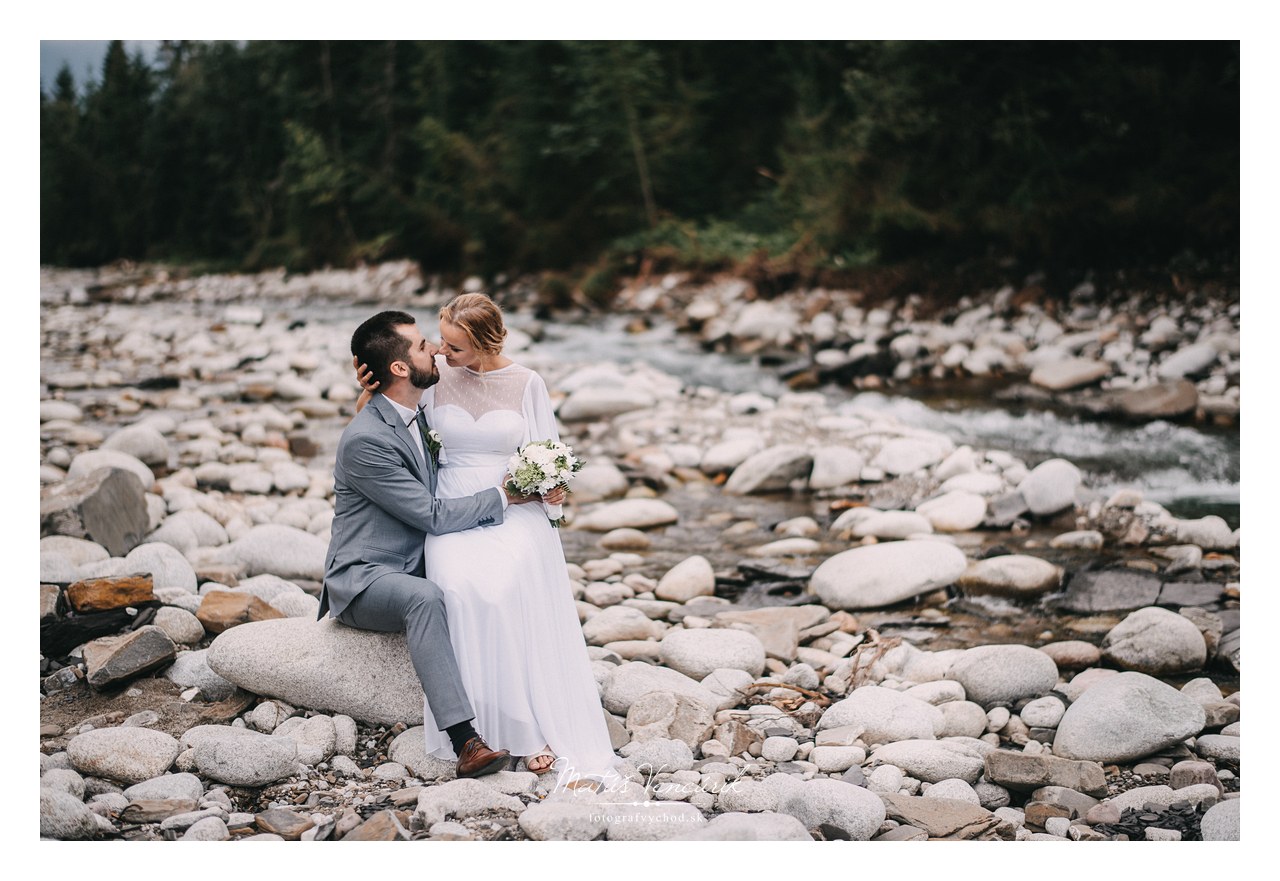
(421, 379)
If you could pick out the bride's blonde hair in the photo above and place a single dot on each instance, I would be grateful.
(480, 319)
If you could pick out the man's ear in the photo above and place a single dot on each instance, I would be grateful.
(399, 369)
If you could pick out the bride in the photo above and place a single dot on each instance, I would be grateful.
(512, 619)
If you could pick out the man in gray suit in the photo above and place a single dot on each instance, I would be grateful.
(385, 504)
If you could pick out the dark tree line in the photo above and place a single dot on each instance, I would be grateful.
(499, 156)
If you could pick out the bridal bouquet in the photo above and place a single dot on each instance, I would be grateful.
(539, 467)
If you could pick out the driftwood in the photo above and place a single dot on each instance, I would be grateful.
(61, 635)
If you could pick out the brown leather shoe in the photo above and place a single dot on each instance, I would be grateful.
(477, 759)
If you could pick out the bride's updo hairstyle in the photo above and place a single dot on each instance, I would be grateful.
(480, 319)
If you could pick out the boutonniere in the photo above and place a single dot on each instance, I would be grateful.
(435, 446)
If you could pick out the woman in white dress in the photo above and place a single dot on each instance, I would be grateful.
(512, 618)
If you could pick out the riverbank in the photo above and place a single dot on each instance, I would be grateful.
(763, 580)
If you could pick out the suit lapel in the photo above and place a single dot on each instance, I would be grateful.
(400, 432)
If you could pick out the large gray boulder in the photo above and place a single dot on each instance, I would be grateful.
(1051, 486)
(932, 761)
(1125, 717)
(883, 574)
(323, 665)
(633, 513)
(996, 674)
(628, 682)
(770, 470)
(1155, 641)
(1069, 373)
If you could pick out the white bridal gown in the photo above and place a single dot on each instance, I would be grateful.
(512, 618)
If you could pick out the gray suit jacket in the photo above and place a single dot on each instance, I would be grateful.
(385, 506)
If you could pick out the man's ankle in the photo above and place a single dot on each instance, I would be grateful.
(459, 734)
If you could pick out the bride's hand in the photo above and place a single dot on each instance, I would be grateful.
(364, 375)
(555, 496)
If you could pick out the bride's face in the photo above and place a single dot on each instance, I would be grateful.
(456, 348)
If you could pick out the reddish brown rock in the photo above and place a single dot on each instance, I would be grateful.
(104, 594)
(221, 610)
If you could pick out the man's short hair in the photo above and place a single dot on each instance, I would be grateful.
(378, 344)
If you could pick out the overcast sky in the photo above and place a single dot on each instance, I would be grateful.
(84, 58)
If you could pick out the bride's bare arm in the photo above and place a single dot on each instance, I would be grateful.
(368, 386)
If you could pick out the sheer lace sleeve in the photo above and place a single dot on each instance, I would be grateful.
(539, 418)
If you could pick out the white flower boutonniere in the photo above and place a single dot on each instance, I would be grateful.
(435, 446)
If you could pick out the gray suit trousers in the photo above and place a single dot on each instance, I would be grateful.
(401, 602)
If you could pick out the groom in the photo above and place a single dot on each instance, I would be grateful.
(385, 504)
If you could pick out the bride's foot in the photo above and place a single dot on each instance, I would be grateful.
(541, 761)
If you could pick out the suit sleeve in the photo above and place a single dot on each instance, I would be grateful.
(375, 470)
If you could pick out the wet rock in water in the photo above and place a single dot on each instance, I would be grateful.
(129, 755)
(770, 470)
(114, 659)
(885, 715)
(191, 669)
(692, 577)
(1015, 575)
(106, 507)
(1177, 594)
(322, 665)
(697, 653)
(220, 610)
(1069, 373)
(598, 480)
(1051, 486)
(1126, 716)
(835, 466)
(1155, 641)
(993, 674)
(1210, 533)
(628, 513)
(1221, 822)
(1162, 400)
(955, 511)
(1082, 540)
(1190, 361)
(889, 524)
(1073, 654)
(1110, 590)
(884, 574)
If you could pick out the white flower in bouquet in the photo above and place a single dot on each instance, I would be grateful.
(541, 466)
